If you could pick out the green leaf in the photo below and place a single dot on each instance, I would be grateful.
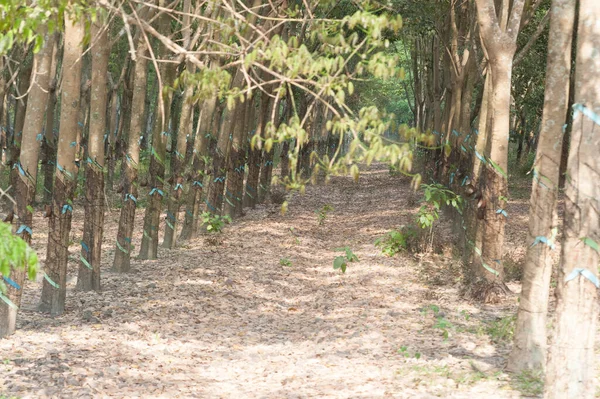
(339, 262)
(591, 243)
(498, 168)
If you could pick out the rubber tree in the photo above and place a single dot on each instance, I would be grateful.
(530, 346)
(48, 156)
(571, 369)
(214, 201)
(27, 167)
(15, 137)
(236, 161)
(3, 124)
(160, 134)
(238, 184)
(255, 155)
(91, 245)
(498, 37)
(131, 161)
(177, 173)
(196, 174)
(54, 288)
(276, 115)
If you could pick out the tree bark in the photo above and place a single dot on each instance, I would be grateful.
(255, 156)
(499, 35)
(196, 175)
(16, 137)
(54, 288)
(131, 162)
(158, 159)
(178, 157)
(235, 162)
(529, 349)
(27, 167)
(50, 133)
(571, 369)
(91, 246)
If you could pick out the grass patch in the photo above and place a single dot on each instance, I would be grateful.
(502, 330)
(529, 383)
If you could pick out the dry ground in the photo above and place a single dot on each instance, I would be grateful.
(231, 321)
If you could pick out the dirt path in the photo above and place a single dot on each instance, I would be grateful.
(230, 321)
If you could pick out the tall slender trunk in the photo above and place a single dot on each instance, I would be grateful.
(3, 124)
(130, 163)
(91, 245)
(473, 231)
(178, 158)
(235, 162)
(238, 186)
(255, 156)
(27, 167)
(214, 202)
(197, 172)
(111, 137)
(489, 266)
(50, 133)
(266, 173)
(523, 129)
(529, 349)
(15, 139)
(499, 35)
(54, 288)
(571, 369)
(160, 135)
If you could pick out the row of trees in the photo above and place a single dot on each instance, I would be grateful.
(193, 100)
(463, 58)
(186, 98)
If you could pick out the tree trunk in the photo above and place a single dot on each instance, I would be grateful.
(214, 201)
(27, 167)
(239, 183)
(3, 124)
(235, 164)
(571, 370)
(15, 139)
(178, 158)
(489, 267)
(160, 135)
(111, 137)
(50, 136)
(499, 35)
(196, 175)
(284, 162)
(529, 349)
(91, 246)
(54, 288)
(255, 155)
(130, 163)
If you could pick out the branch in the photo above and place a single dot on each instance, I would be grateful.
(523, 52)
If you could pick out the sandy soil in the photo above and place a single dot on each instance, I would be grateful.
(228, 320)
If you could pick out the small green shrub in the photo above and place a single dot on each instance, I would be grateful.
(404, 352)
(341, 262)
(397, 241)
(434, 196)
(16, 253)
(285, 262)
(215, 223)
(502, 330)
(322, 213)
